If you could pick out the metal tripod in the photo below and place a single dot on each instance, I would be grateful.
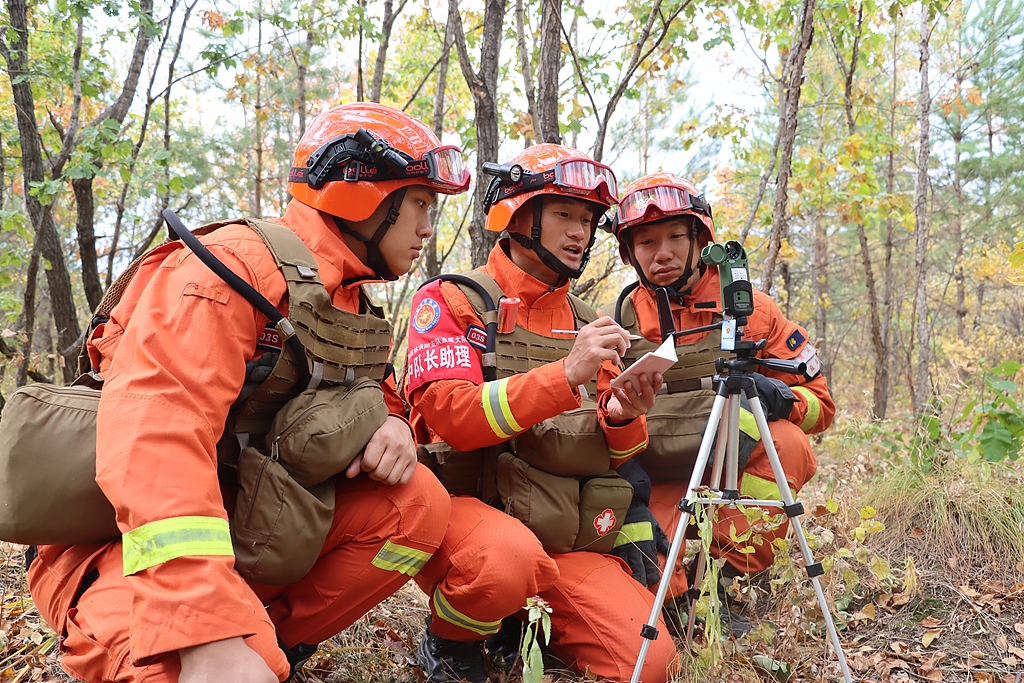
(733, 379)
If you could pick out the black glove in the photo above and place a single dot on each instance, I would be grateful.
(256, 372)
(641, 537)
(776, 397)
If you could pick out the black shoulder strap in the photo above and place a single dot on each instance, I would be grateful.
(490, 319)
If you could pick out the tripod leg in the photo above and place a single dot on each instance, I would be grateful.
(649, 631)
(724, 430)
(793, 510)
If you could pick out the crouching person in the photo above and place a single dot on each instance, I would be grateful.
(523, 428)
(247, 538)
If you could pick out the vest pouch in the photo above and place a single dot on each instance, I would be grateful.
(547, 504)
(318, 433)
(48, 490)
(674, 427)
(460, 473)
(279, 527)
(604, 501)
(569, 444)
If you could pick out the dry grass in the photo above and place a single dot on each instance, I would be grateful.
(956, 613)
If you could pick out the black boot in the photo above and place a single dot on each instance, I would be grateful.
(504, 645)
(732, 617)
(450, 661)
(297, 657)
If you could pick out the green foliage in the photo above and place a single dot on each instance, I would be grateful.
(538, 624)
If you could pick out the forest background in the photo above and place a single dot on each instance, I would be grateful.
(867, 153)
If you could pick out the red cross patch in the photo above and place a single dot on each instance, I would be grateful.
(605, 522)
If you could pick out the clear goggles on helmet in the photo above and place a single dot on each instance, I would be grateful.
(667, 200)
(575, 176)
(364, 156)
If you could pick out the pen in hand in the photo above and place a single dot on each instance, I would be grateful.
(632, 337)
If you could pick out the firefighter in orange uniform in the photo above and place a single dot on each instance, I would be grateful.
(534, 407)
(662, 224)
(166, 602)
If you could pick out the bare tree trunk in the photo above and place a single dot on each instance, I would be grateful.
(360, 89)
(780, 221)
(382, 51)
(526, 66)
(819, 271)
(922, 380)
(431, 264)
(86, 211)
(65, 314)
(548, 70)
(302, 65)
(483, 85)
(956, 227)
(28, 310)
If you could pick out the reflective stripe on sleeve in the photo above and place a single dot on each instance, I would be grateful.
(813, 407)
(445, 611)
(167, 539)
(619, 455)
(496, 409)
(394, 557)
(633, 533)
(748, 425)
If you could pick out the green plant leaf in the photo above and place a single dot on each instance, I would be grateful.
(997, 443)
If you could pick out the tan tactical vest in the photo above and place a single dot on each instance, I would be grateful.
(555, 476)
(676, 422)
(281, 445)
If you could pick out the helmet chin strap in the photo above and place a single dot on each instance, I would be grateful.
(546, 257)
(374, 258)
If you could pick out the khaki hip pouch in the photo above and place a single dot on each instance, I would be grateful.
(279, 527)
(675, 426)
(571, 444)
(48, 490)
(565, 513)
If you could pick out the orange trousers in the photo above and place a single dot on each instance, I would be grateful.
(340, 588)
(757, 481)
(489, 564)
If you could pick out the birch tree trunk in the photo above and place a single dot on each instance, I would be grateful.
(780, 221)
(548, 70)
(483, 85)
(922, 376)
(431, 264)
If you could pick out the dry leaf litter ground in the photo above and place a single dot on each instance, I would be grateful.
(926, 573)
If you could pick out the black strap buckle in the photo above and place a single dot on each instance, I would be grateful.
(352, 173)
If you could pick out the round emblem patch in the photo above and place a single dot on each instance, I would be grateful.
(605, 522)
(426, 316)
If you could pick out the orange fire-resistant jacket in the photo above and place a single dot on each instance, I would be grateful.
(454, 410)
(814, 408)
(171, 377)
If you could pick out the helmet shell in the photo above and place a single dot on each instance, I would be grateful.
(535, 159)
(356, 201)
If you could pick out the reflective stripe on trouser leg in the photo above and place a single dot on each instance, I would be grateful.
(395, 557)
(167, 539)
(444, 610)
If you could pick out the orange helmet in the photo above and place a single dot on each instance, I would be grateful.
(353, 156)
(545, 169)
(654, 198)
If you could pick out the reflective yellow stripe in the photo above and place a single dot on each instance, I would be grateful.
(619, 455)
(813, 408)
(445, 611)
(633, 533)
(399, 558)
(760, 489)
(748, 425)
(167, 539)
(496, 409)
